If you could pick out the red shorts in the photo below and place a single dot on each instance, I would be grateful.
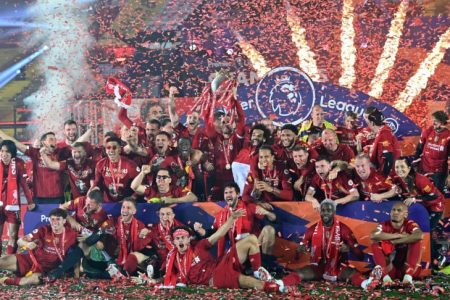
(12, 217)
(226, 273)
(24, 264)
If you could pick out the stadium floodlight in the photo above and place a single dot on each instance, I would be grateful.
(11, 77)
(13, 23)
(17, 66)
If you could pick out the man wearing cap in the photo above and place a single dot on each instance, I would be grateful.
(434, 151)
(329, 242)
(396, 246)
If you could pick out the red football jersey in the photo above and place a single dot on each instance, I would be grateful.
(278, 177)
(346, 235)
(422, 186)
(436, 150)
(152, 192)
(408, 226)
(92, 221)
(384, 142)
(203, 264)
(347, 137)
(80, 176)
(52, 248)
(334, 189)
(21, 177)
(376, 183)
(116, 185)
(343, 152)
(42, 176)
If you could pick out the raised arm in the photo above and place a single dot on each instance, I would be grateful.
(86, 136)
(309, 197)
(22, 147)
(136, 184)
(48, 162)
(222, 231)
(174, 118)
(123, 117)
(240, 125)
(353, 196)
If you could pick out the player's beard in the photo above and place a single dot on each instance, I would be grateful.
(232, 204)
(71, 138)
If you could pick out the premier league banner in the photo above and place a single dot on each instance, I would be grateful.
(287, 95)
(293, 218)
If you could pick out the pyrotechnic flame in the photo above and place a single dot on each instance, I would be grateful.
(348, 51)
(426, 69)
(389, 54)
(257, 60)
(306, 59)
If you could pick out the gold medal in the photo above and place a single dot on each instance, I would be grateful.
(227, 166)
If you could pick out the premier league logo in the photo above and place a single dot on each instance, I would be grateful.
(392, 123)
(286, 95)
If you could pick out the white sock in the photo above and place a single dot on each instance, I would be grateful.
(387, 278)
(366, 282)
(256, 274)
(407, 278)
(280, 283)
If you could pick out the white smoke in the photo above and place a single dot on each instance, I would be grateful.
(63, 65)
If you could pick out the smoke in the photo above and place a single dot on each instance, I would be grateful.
(64, 67)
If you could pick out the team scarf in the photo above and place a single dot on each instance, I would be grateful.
(126, 246)
(12, 201)
(181, 262)
(240, 223)
(164, 232)
(330, 248)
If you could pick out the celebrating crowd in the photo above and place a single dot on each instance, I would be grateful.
(165, 162)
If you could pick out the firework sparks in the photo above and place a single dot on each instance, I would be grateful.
(306, 59)
(390, 49)
(348, 51)
(426, 69)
